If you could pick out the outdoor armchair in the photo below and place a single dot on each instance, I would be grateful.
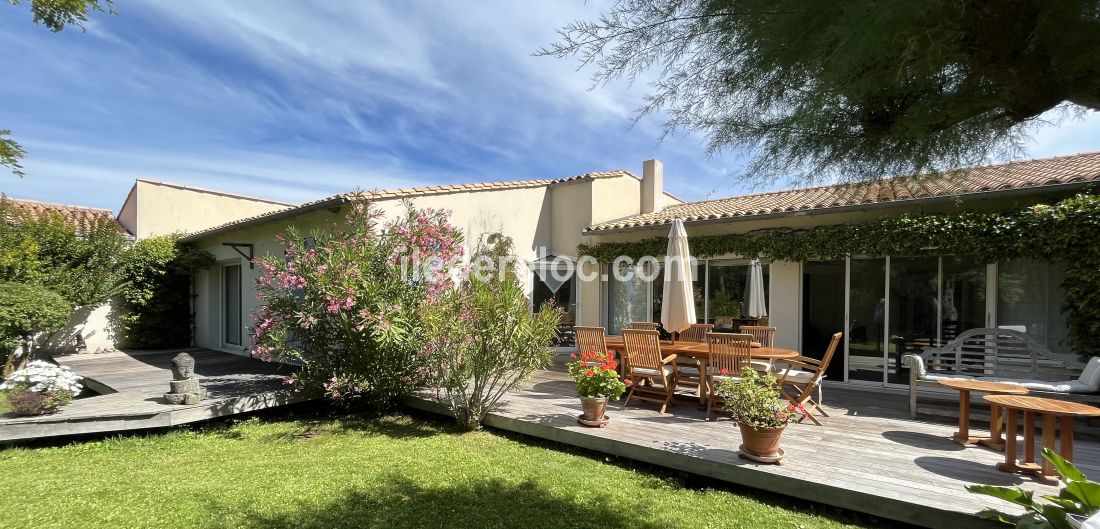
(803, 375)
(644, 361)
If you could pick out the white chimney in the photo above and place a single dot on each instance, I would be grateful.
(653, 186)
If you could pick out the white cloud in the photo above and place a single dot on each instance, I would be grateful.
(102, 177)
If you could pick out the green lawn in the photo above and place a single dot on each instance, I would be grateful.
(396, 472)
(4, 408)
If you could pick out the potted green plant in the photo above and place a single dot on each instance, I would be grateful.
(754, 402)
(597, 381)
(40, 388)
(1077, 500)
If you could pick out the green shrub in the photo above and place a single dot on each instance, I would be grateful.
(91, 262)
(25, 311)
(483, 339)
(78, 260)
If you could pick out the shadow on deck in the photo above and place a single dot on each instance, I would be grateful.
(131, 385)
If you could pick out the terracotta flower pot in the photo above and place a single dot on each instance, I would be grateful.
(762, 443)
(594, 408)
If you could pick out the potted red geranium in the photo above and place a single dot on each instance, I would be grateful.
(597, 381)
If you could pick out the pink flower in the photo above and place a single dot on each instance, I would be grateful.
(262, 352)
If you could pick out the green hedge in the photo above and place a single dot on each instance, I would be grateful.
(1066, 232)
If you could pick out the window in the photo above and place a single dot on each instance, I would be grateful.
(627, 300)
(562, 293)
(726, 287)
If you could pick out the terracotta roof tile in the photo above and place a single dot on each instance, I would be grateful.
(404, 193)
(75, 215)
(1021, 174)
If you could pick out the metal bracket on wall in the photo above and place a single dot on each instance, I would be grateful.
(236, 246)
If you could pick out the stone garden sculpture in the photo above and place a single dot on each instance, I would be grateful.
(184, 386)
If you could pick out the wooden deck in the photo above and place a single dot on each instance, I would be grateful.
(869, 457)
(132, 384)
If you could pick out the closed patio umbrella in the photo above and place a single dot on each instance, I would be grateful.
(678, 301)
(755, 304)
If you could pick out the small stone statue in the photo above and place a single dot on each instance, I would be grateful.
(184, 386)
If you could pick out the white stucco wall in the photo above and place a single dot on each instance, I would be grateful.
(536, 218)
(157, 208)
(88, 326)
(784, 309)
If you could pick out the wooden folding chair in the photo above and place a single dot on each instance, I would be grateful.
(591, 340)
(728, 354)
(694, 379)
(696, 333)
(804, 374)
(644, 325)
(765, 336)
(643, 360)
(761, 334)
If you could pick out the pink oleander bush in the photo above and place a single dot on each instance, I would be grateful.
(347, 303)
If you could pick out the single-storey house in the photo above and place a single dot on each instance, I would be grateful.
(544, 218)
(886, 304)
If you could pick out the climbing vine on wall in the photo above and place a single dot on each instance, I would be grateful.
(1067, 232)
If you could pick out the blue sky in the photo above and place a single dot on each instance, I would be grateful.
(298, 100)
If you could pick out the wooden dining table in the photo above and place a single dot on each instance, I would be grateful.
(701, 351)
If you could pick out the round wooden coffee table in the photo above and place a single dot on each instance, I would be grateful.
(1049, 410)
(964, 387)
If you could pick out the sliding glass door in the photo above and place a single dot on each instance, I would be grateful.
(913, 305)
(231, 309)
(697, 281)
(964, 305)
(823, 311)
(867, 319)
(1030, 299)
(900, 305)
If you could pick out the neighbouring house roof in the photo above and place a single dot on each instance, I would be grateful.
(410, 192)
(1022, 175)
(75, 215)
